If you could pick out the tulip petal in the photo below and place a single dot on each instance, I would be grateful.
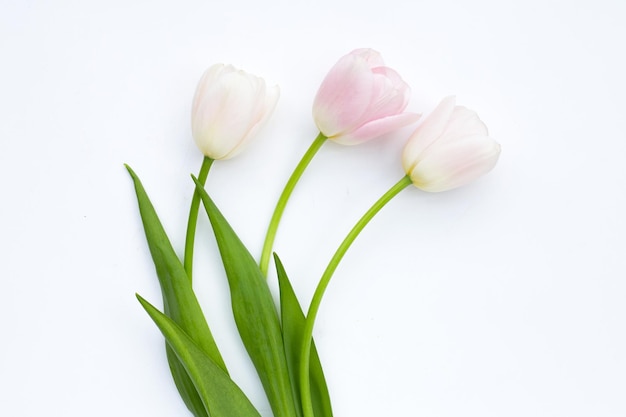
(360, 99)
(372, 57)
(227, 106)
(245, 95)
(262, 116)
(206, 81)
(455, 164)
(463, 122)
(229, 111)
(344, 96)
(427, 132)
(377, 128)
(390, 95)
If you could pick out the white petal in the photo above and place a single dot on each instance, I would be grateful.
(268, 105)
(463, 122)
(456, 164)
(206, 81)
(427, 133)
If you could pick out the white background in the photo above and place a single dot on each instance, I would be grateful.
(504, 298)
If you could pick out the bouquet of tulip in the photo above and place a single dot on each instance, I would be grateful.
(360, 99)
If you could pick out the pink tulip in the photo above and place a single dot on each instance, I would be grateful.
(449, 149)
(361, 99)
(228, 109)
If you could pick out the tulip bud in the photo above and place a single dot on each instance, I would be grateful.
(361, 99)
(228, 109)
(449, 149)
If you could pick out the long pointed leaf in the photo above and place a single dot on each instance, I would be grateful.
(220, 395)
(293, 320)
(254, 311)
(184, 384)
(179, 300)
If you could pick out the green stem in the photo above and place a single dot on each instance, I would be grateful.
(321, 287)
(282, 201)
(190, 237)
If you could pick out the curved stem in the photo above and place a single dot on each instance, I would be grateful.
(190, 237)
(321, 287)
(282, 201)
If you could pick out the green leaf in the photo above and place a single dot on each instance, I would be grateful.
(293, 320)
(179, 300)
(184, 384)
(254, 312)
(220, 395)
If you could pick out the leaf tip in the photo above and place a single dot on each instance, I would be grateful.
(142, 301)
(130, 170)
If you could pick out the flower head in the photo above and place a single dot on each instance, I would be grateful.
(449, 149)
(361, 99)
(229, 107)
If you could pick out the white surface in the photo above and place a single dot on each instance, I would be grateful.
(505, 298)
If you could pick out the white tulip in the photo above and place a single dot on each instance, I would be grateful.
(449, 149)
(229, 107)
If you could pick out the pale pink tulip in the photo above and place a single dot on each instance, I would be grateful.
(228, 109)
(449, 149)
(361, 99)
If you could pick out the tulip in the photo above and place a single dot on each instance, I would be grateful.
(361, 99)
(228, 109)
(450, 148)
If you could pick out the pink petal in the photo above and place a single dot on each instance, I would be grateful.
(343, 96)
(372, 57)
(390, 95)
(376, 128)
